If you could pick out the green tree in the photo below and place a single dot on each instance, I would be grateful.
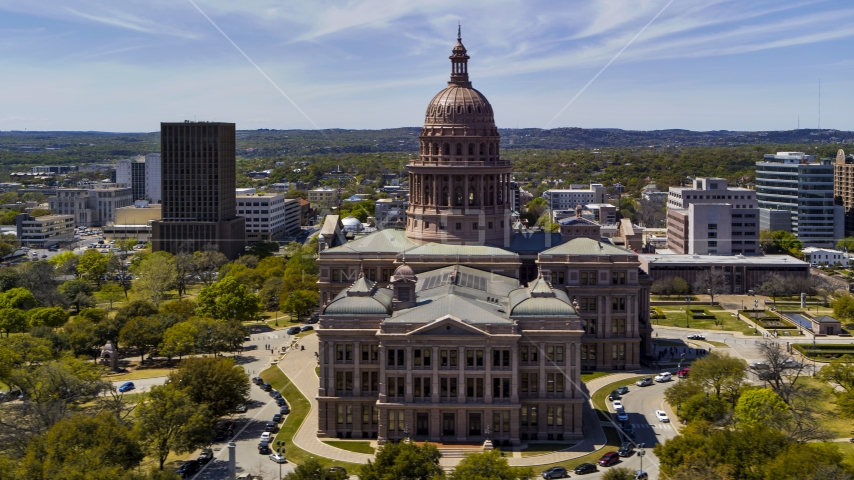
(83, 337)
(9, 278)
(143, 333)
(759, 405)
(843, 307)
(18, 297)
(715, 371)
(703, 406)
(207, 263)
(169, 420)
(8, 244)
(178, 340)
(489, 465)
(215, 382)
(50, 316)
(83, 446)
(39, 212)
(270, 292)
(94, 315)
(840, 372)
(300, 301)
(93, 265)
(846, 243)
(22, 351)
(12, 320)
(681, 391)
(183, 309)
(155, 275)
(312, 469)
(264, 249)
(228, 299)
(403, 460)
(112, 292)
(78, 292)
(807, 460)
(619, 473)
(65, 263)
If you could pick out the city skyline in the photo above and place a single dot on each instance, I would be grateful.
(365, 65)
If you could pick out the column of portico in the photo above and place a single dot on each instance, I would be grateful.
(330, 389)
(324, 374)
(461, 380)
(542, 380)
(382, 393)
(357, 390)
(434, 390)
(487, 380)
(408, 374)
(466, 193)
(514, 376)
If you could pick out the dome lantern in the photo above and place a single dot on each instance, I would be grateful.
(459, 63)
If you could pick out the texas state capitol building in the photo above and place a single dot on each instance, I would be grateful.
(459, 328)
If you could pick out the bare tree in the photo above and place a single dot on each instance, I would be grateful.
(652, 212)
(826, 287)
(774, 285)
(712, 281)
(779, 369)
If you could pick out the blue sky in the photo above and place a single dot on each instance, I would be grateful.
(700, 65)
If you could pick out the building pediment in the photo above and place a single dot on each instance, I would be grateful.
(447, 325)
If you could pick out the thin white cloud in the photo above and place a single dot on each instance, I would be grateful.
(130, 22)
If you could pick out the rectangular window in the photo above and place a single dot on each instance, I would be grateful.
(524, 420)
(443, 356)
(390, 355)
(618, 304)
(400, 358)
(550, 416)
(559, 415)
(366, 353)
(618, 278)
(453, 358)
(524, 382)
(533, 416)
(339, 352)
(417, 386)
(416, 357)
(348, 353)
(427, 357)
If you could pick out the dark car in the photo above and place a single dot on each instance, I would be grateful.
(126, 387)
(264, 449)
(266, 387)
(206, 456)
(285, 409)
(585, 468)
(305, 328)
(696, 336)
(614, 396)
(271, 427)
(313, 320)
(282, 403)
(555, 472)
(277, 417)
(336, 468)
(622, 390)
(626, 449)
(609, 459)
(293, 331)
(188, 468)
(257, 380)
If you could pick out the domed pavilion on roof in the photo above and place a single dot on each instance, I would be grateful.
(459, 186)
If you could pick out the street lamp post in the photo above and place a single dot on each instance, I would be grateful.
(280, 449)
(641, 453)
(711, 298)
(687, 311)
(406, 432)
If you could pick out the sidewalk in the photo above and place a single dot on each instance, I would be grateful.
(594, 436)
(299, 365)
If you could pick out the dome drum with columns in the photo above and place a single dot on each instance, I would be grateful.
(459, 188)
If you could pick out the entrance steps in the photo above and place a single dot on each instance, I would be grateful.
(458, 452)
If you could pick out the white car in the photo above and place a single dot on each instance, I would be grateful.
(622, 416)
(663, 377)
(662, 417)
(265, 437)
(277, 457)
(618, 405)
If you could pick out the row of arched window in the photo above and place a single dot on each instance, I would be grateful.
(448, 109)
(484, 148)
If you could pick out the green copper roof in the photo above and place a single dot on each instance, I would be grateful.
(357, 306)
(587, 246)
(461, 250)
(543, 307)
(383, 241)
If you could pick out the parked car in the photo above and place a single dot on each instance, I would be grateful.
(644, 382)
(241, 409)
(188, 468)
(683, 373)
(284, 408)
(264, 449)
(282, 403)
(696, 336)
(206, 456)
(791, 363)
(277, 417)
(126, 387)
(641, 475)
(257, 380)
(609, 459)
(554, 472)
(278, 458)
(626, 449)
(266, 436)
(623, 390)
(759, 366)
(14, 394)
(271, 427)
(306, 328)
(293, 331)
(336, 468)
(622, 416)
(585, 468)
(614, 396)
(662, 416)
(663, 377)
(618, 405)
(266, 387)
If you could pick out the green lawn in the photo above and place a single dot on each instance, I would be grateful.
(140, 374)
(600, 397)
(586, 377)
(541, 448)
(612, 444)
(825, 404)
(727, 321)
(672, 298)
(317, 371)
(352, 446)
(300, 407)
(716, 344)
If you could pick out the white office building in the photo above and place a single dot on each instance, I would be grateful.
(152, 178)
(800, 184)
(712, 218)
(266, 216)
(93, 204)
(824, 256)
(567, 199)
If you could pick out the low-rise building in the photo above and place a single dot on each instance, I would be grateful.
(44, 231)
(824, 256)
(323, 195)
(134, 221)
(264, 214)
(567, 199)
(92, 205)
(293, 211)
(390, 213)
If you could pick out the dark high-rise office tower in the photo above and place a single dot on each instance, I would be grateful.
(198, 180)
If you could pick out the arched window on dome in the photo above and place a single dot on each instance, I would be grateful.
(482, 148)
(459, 149)
(448, 109)
(471, 149)
(445, 200)
(490, 199)
(492, 149)
(428, 198)
(478, 109)
(469, 109)
(447, 149)
(458, 196)
(472, 195)
(435, 149)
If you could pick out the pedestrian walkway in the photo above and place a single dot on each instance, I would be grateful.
(594, 436)
(299, 366)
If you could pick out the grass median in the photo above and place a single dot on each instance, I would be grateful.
(352, 446)
(600, 397)
(300, 408)
(612, 443)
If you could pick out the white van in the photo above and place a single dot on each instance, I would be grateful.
(663, 377)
